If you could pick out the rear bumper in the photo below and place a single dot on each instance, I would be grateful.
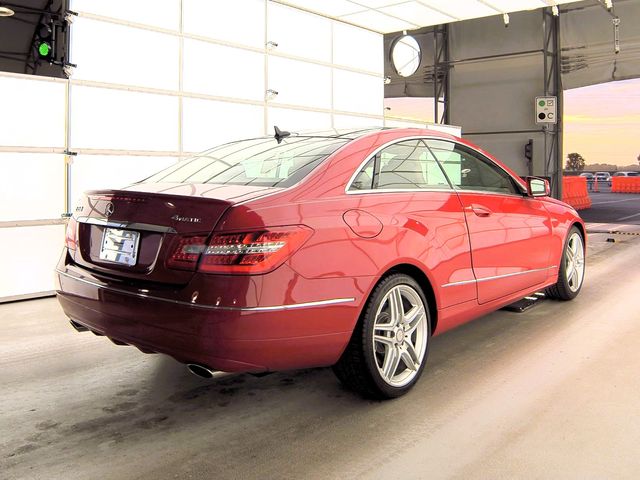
(250, 338)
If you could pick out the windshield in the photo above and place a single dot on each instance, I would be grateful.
(258, 162)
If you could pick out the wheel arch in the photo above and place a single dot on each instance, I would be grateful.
(583, 232)
(423, 280)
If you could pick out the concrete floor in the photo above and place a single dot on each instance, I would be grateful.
(551, 393)
(613, 207)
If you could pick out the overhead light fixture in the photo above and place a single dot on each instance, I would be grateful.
(555, 10)
(6, 12)
(608, 4)
(505, 17)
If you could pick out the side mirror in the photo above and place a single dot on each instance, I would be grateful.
(538, 187)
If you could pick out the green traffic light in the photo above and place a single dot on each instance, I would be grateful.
(541, 103)
(44, 49)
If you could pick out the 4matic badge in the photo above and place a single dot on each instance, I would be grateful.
(178, 218)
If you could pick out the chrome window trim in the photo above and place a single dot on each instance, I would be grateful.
(401, 190)
(426, 137)
(128, 225)
(271, 308)
(497, 277)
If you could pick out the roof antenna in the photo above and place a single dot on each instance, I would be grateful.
(280, 134)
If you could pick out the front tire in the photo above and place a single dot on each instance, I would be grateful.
(571, 274)
(389, 347)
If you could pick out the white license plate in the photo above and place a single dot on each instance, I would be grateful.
(120, 246)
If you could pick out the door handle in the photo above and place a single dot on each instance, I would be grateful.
(478, 210)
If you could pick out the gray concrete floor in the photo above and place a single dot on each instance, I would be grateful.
(551, 393)
(613, 207)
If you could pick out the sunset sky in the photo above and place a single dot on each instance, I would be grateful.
(602, 122)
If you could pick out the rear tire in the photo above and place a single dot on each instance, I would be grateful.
(571, 273)
(390, 344)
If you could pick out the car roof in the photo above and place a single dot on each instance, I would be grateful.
(355, 133)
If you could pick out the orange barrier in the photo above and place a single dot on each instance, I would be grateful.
(625, 184)
(574, 192)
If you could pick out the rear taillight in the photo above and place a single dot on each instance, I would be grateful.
(186, 254)
(71, 234)
(252, 252)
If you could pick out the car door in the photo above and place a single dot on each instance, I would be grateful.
(510, 232)
(404, 186)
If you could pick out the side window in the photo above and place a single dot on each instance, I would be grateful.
(406, 165)
(468, 170)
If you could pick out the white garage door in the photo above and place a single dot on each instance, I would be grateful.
(156, 81)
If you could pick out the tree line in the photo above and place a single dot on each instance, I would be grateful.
(576, 162)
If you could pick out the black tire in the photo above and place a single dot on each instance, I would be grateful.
(359, 366)
(564, 289)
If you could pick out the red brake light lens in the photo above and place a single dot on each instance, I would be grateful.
(187, 252)
(71, 234)
(252, 252)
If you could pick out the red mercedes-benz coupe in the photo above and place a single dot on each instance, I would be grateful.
(294, 251)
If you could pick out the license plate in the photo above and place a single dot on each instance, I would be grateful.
(120, 246)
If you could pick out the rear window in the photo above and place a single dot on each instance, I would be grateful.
(259, 162)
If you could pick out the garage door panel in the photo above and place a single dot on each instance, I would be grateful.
(25, 100)
(116, 119)
(36, 187)
(107, 52)
(30, 271)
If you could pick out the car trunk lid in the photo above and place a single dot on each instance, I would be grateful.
(131, 233)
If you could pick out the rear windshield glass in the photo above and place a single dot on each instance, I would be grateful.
(260, 162)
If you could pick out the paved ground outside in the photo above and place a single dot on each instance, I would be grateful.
(549, 393)
(609, 207)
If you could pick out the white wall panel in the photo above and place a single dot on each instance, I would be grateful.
(33, 271)
(357, 48)
(299, 33)
(31, 112)
(350, 121)
(223, 71)
(32, 186)
(237, 21)
(208, 123)
(356, 92)
(390, 122)
(116, 119)
(300, 83)
(112, 53)
(93, 172)
(159, 13)
(297, 120)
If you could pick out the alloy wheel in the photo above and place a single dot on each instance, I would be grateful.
(574, 262)
(400, 335)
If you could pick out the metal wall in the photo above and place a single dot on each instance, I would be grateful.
(493, 73)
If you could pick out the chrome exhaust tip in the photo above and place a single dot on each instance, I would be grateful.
(200, 370)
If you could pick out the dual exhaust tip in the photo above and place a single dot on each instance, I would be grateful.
(195, 368)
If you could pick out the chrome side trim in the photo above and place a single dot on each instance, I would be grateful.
(400, 190)
(318, 303)
(497, 277)
(129, 225)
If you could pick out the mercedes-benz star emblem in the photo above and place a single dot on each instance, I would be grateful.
(109, 209)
